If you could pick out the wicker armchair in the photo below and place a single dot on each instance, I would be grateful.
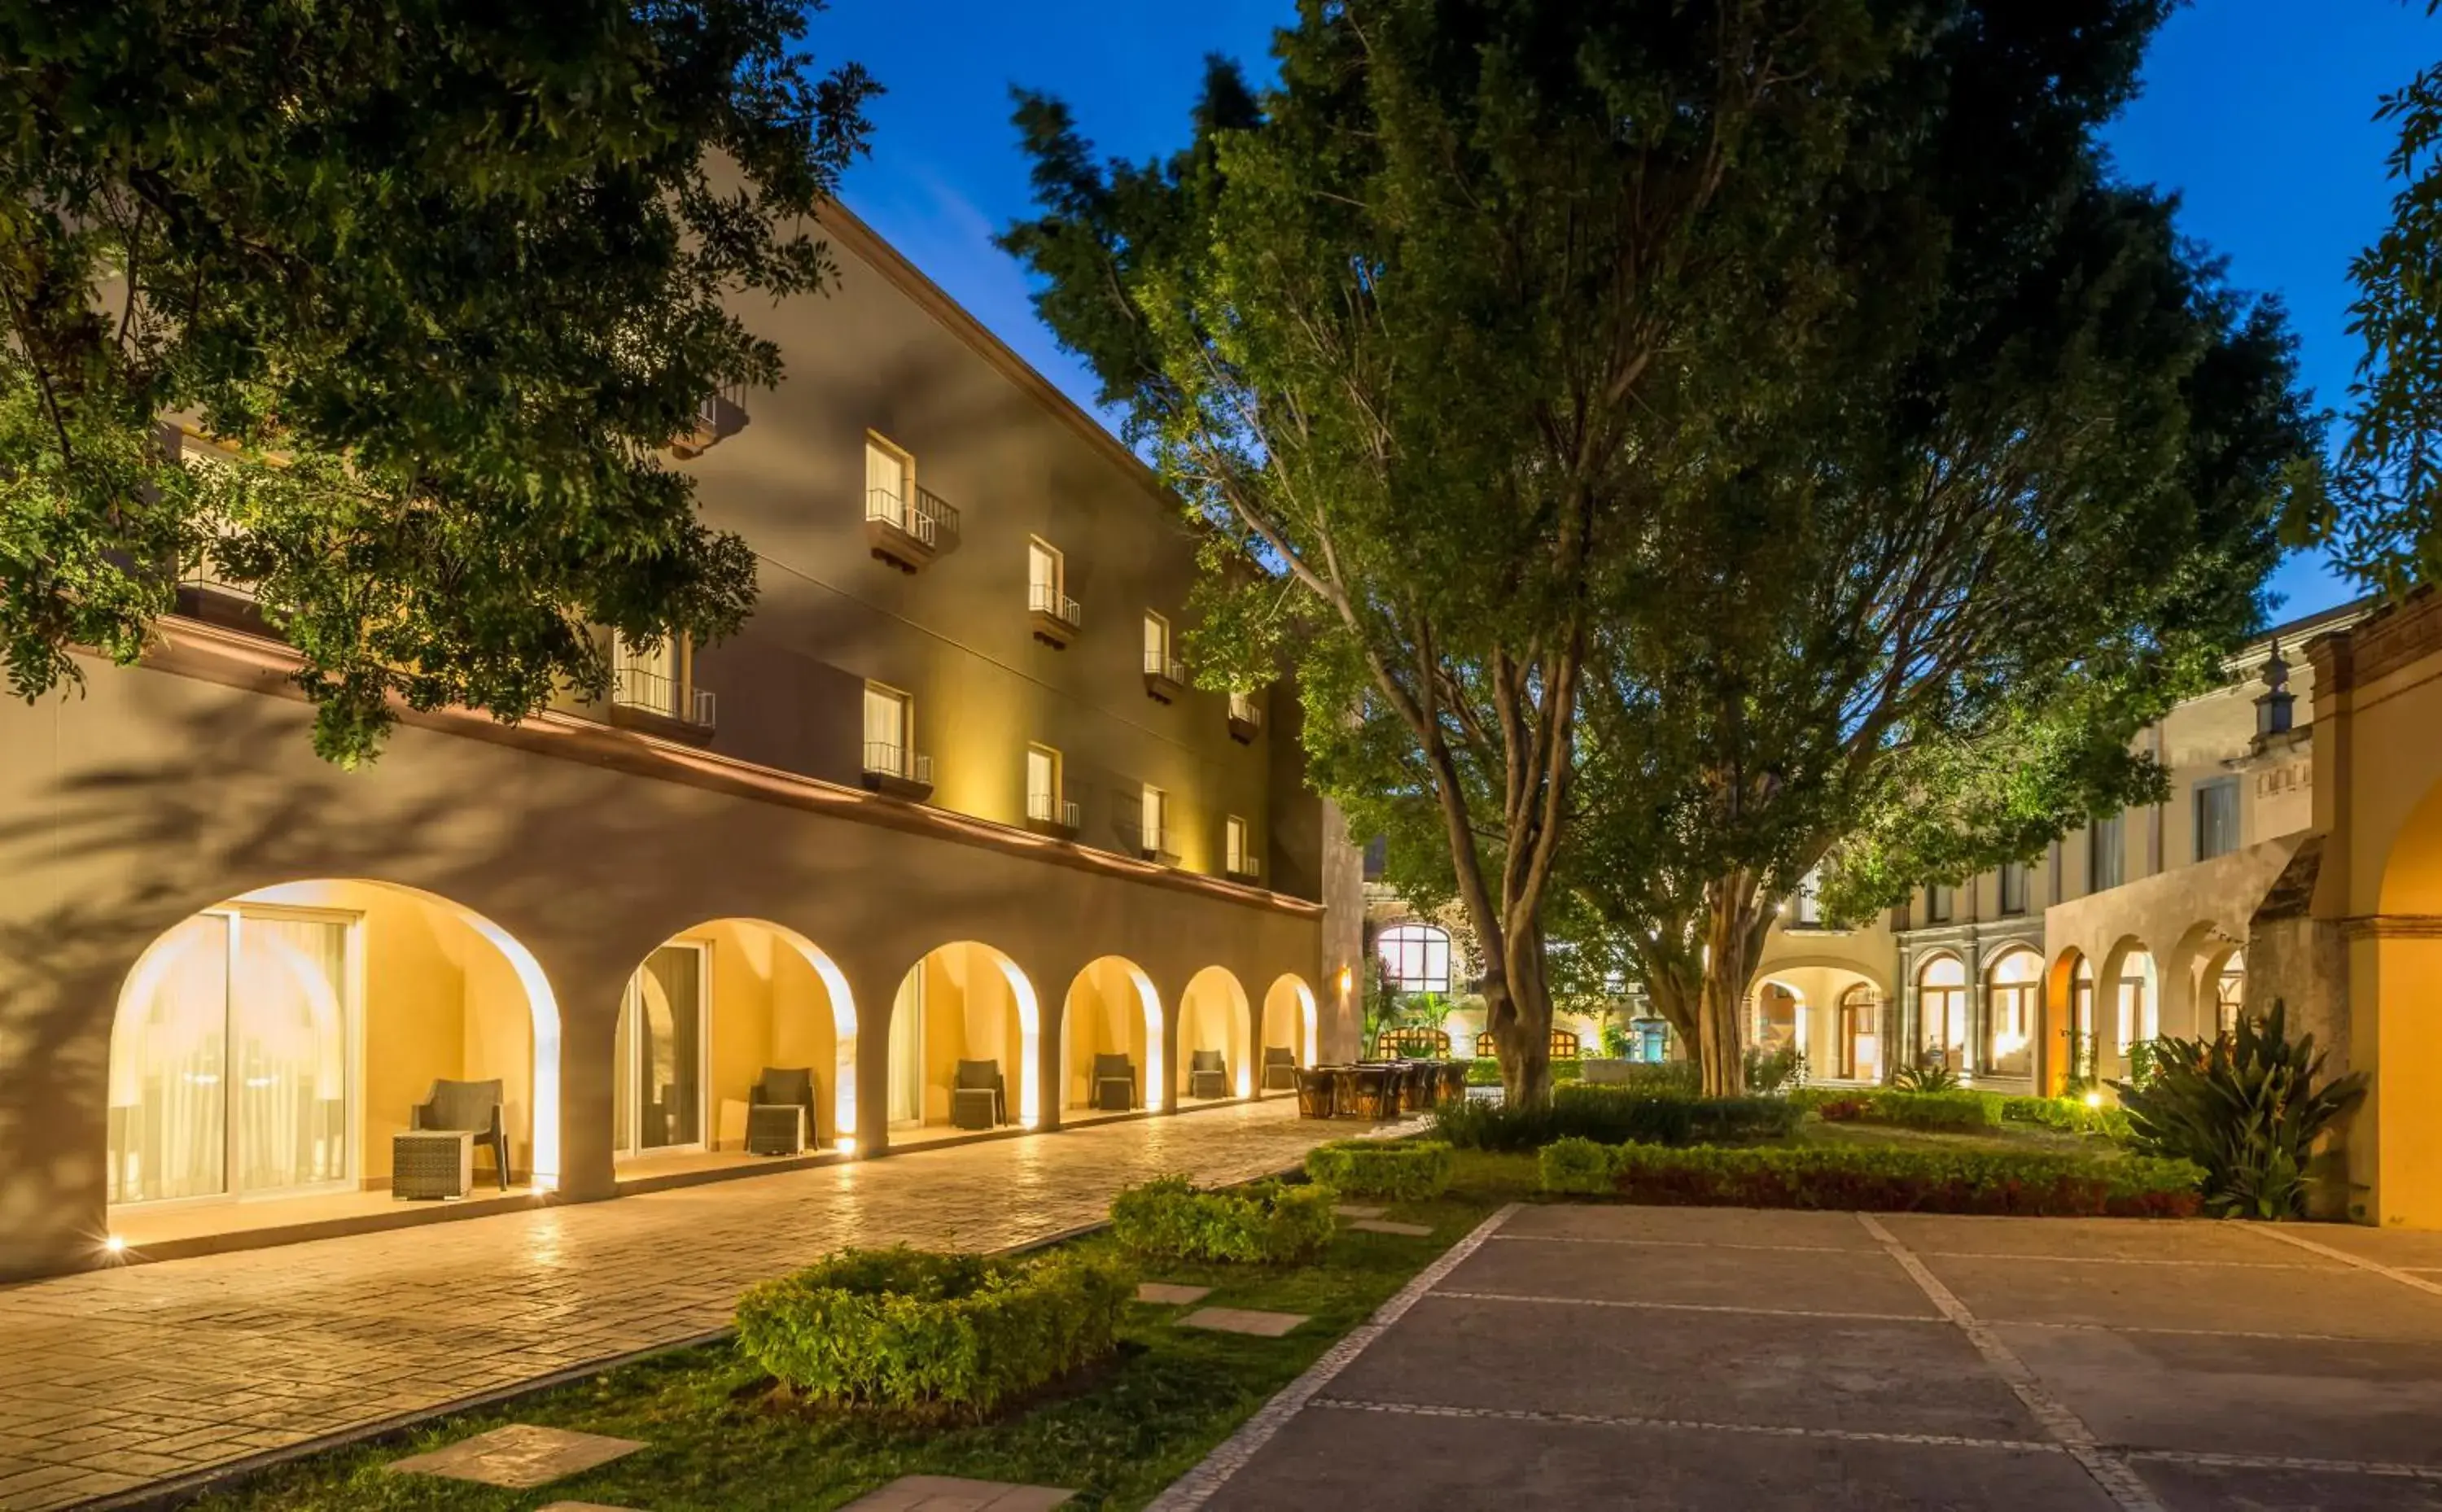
(1207, 1069)
(467, 1107)
(783, 1088)
(979, 1096)
(1279, 1069)
(1114, 1089)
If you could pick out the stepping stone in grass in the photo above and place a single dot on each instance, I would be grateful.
(1242, 1320)
(1169, 1294)
(519, 1456)
(1408, 1230)
(947, 1493)
(1348, 1211)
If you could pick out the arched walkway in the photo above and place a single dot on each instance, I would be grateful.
(706, 1015)
(269, 1046)
(2070, 1042)
(2132, 992)
(1112, 1012)
(964, 1019)
(1779, 1017)
(1215, 1021)
(1290, 1023)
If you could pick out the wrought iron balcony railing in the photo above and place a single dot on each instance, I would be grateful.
(640, 687)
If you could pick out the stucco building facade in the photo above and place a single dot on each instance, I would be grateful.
(950, 797)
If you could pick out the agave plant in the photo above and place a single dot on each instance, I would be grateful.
(1925, 1076)
(2248, 1110)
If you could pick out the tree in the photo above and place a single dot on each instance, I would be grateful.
(1428, 335)
(427, 286)
(2383, 515)
(2029, 500)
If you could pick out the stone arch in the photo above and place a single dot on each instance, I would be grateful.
(1214, 1015)
(1111, 1009)
(1291, 1020)
(2128, 999)
(965, 1000)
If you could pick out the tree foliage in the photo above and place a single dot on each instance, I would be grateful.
(2383, 516)
(437, 280)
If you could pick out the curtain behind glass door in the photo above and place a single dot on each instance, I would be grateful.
(169, 1045)
(668, 1034)
(288, 1052)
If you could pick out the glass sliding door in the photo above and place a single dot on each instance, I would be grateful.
(657, 1100)
(231, 1060)
(907, 1050)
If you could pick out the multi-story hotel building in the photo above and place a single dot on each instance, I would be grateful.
(2298, 857)
(949, 814)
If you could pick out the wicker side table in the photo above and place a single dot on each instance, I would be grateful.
(775, 1128)
(431, 1164)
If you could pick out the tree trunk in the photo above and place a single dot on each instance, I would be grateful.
(1734, 932)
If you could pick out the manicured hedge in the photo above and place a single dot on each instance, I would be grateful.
(1612, 1115)
(1952, 1111)
(1406, 1170)
(1875, 1179)
(1267, 1222)
(918, 1330)
(2067, 1114)
(1485, 1072)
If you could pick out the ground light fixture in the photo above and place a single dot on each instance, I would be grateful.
(114, 1245)
(2094, 1100)
(845, 1144)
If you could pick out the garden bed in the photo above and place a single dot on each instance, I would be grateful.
(1875, 1180)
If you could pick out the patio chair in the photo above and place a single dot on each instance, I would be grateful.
(1115, 1085)
(466, 1108)
(1206, 1068)
(979, 1096)
(1315, 1093)
(1279, 1069)
(777, 1092)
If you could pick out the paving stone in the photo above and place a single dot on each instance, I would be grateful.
(1411, 1230)
(521, 1456)
(1242, 1320)
(1169, 1294)
(1350, 1209)
(947, 1493)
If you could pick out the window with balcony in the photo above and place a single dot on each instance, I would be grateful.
(1806, 907)
(891, 761)
(1165, 678)
(1237, 859)
(2013, 886)
(1048, 811)
(1246, 717)
(1938, 905)
(656, 682)
(2216, 817)
(906, 525)
(1152, 823)
(2106, 853)
(1054, 615)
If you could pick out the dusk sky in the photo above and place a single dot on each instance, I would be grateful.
(2258, 112)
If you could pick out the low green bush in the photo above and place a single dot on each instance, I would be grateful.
(1485, 1072)
(2070, 1115)
(926, 1332)
(1953, 1112)
(1613, 1114)
(1404, 1169)
(1812, 1099)
(1268, 1223)
(1875, 1179)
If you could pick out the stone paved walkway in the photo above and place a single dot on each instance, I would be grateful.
(115, 1380)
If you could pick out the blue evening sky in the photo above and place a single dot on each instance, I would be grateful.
(2258, 112)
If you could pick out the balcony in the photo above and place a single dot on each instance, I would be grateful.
(1054, 615)
(1245, 868)
(640, 697)
(722, 415)
(1165, 676)
(1245, 719)
(896, 771)
(908, 530)
(1049, 814)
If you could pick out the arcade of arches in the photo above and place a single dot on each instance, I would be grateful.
(265, 1051)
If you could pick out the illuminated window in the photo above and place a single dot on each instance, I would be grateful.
(1043, 797)
(2216, 818)
(889, 482)
(2014, 984)
(1417, 957)
(2137, 999)
(1807, 907)
(1860, 1034)
(1233, 847)
(1937, 904)
(1153, 820)
(2107, 854)
(889, 730)
(2013, 886)
(1157, 659)
(1941, 1008)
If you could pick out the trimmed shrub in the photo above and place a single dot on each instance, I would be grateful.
(1951, 1111)
(2069, 1115)
(1878, 1179)
(1612, 1115)
(923, 1331)
(1843, 1109)
(1405, 1170)
(1266, 1222)
(1485, 1072)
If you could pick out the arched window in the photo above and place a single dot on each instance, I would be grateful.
(1942, 1007)
(2016, 983)
(2230, 993)
(1860, 1033)
(1417, 957)
(2081, 1020)
(2138, 1004)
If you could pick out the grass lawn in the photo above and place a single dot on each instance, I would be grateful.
(717, 1440)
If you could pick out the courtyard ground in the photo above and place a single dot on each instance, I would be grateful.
(1616, 1357)
(118, 1383)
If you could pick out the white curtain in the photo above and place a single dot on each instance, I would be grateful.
(168, 1053)
(289, 1047)
(907, 1049)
